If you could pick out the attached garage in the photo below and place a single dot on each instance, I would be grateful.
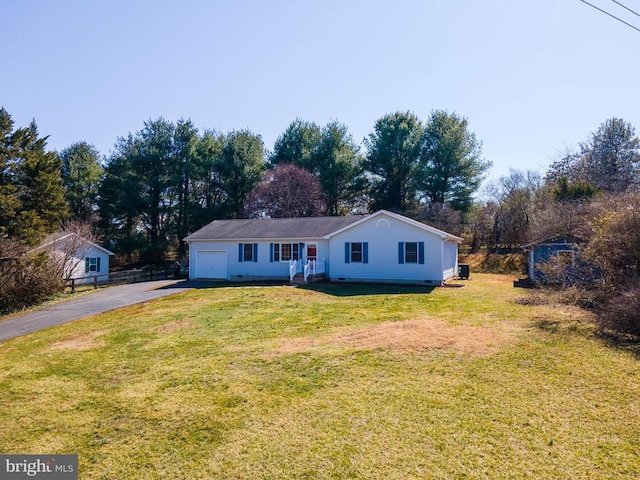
(211, 264)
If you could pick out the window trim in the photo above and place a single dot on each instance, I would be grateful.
(364, 252)
(277, 252)
(91, 262)
(403, 253)
(411, 257)
(250, 255)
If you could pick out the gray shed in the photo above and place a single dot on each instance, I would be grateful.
(563, 254)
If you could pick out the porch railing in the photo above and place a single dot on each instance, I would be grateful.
(313, 267)
(293, 269)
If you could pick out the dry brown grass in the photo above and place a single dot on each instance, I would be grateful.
(509, 263)
(175, 325)
(421, 335)
(80, 341)
(346, 381)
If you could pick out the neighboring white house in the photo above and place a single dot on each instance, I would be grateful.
(79, 258)
(381, 247)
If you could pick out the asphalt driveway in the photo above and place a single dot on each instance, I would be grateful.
(91, 304)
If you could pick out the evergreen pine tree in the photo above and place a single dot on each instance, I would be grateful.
(39, 188)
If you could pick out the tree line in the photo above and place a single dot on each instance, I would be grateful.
(168, 179)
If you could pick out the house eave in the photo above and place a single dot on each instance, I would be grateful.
(252, 239)
(442, 234)
(58, 240)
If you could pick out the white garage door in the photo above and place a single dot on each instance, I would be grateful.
(211, 264)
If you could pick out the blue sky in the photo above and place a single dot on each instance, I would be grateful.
(532, 77)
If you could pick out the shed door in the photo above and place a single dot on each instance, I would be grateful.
(211, 264)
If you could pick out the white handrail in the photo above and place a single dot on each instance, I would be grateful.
(292, 269)
(313, 268)
(309, 269)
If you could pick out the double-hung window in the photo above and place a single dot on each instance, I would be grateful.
(411, 252)
(356, 252)
(91, 264)
(247, 252)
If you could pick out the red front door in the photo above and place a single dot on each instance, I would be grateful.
(312, 252)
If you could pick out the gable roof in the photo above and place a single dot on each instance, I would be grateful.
(298, 228)
(272, 228)
(59, 237)
(423, 226)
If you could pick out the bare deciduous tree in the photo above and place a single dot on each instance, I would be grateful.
(68, 247)
(286, 191)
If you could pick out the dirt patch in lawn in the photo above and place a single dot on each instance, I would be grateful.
(79, 341)
(412, 335)
(175, 325)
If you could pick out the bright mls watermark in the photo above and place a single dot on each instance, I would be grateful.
(49, 467)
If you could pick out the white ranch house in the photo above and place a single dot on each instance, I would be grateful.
(82, 260)
(382, 247)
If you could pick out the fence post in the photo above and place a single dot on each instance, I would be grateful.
(95, 282)
(73, 285)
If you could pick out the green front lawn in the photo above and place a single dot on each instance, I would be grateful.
(333, 381)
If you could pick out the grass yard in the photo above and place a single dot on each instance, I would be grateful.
(334, 381)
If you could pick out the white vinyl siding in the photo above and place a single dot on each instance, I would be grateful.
(383, 239)
(368, 251)
(92, 264)
(95, 262)
(450, 260)
(262, 269)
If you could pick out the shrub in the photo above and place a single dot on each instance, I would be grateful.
(621, 313)
(614, 247)
(26, 279)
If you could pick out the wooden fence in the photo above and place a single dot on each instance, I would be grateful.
(123, 277)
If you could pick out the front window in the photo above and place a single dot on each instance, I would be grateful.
(284, 252)
(356, 252)
(411, 252)
(247, 252)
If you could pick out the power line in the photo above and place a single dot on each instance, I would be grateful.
(611, 15)
(626, 8)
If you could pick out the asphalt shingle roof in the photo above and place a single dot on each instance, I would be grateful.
(276, 228)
